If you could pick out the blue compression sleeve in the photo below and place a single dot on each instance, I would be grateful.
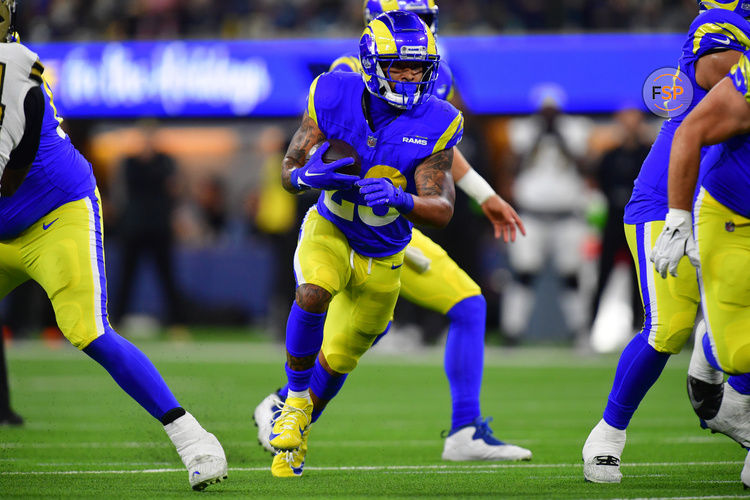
(134, 372)
(638, 369)
(464, 358)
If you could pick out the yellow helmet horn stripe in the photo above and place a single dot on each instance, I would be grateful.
(386, 44)
(721, 5)
(431, 44)
(384, 40)
(388, 5)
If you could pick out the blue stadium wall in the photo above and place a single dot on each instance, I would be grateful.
(495, 75)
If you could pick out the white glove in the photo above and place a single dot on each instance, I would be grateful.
(675, 240)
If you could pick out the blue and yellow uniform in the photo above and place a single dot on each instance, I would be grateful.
(722, 234)
(443, 284)
(51, 232)
(352, 251)
(671, 304)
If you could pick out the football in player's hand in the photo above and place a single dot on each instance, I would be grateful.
(338, 149)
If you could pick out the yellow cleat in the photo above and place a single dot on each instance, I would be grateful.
(292, 423)
(290, 463)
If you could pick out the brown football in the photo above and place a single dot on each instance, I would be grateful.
(337, 150)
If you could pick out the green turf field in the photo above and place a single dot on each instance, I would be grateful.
(380, 438)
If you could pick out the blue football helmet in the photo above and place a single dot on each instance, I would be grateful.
(741, 7)
(426, 9)
(392, 37)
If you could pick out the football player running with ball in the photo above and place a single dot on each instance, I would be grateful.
(350, 252)
(721, 221)
(51, 232)
(717, 38)
(431, 279)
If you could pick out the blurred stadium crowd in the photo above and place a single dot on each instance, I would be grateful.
(60, 20)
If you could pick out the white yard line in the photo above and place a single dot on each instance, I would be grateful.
(478, 468)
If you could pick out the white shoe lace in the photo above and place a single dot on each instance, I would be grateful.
(286, 420)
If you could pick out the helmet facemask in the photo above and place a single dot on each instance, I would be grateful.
(404, 93)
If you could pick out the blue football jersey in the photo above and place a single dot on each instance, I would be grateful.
(58, 175)
(712, 30)
(393, 151)
(443, 88)
(725, 166)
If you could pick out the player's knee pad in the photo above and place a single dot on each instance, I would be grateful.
(672, 331)
(343, 354)
(73, 325)
(59, 265)
(341, 362)
(733, 290)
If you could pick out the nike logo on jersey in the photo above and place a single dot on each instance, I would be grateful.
(313, 174)
(46, 226)
(724, 41)
(394, 266)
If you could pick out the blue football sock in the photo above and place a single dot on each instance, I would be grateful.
(741, 383)
(299, 380)
(638, 369)
(464, 358)
(304, 336)
(325, 386)
(283, 392)
(133, 371)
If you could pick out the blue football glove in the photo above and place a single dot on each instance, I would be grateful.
(380, 192)
(317, 174)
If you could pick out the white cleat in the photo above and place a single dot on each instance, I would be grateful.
(476, 442)
(745, 475)
(602, 452)
(732, 418)
(263, 416)
(199, 450)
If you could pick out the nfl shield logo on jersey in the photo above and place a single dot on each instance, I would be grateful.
(371, 141)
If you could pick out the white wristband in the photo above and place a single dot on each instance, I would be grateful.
(475, 186)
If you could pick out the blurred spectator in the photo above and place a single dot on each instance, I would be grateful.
(614, 176)
(550, 196)
(211, 208)
(274, 214)
(148, 189)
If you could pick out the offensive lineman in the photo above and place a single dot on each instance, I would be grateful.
(721, 218)
(716, 39)
(431, 279)
(51, 232)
